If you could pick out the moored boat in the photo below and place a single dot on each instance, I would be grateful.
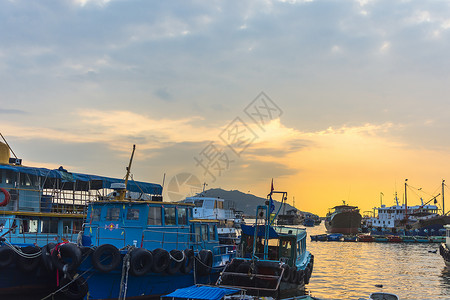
(274, 261)
(343, 219)
(444, 248)
(365, 238)
(131, 246)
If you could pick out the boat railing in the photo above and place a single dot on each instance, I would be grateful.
(183, 239)
(261, 277)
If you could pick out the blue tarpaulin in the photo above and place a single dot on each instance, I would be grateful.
(250, 230)
(201, 293)
(95, 182)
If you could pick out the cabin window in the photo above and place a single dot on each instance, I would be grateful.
(77, 226)
(286, 248)
(96, 214)
(182, 216)
(67, 226)
(28, 226)
(212, 232)
(49, 226)
(198, 203)
(197, 232)
(112, 214)
(133, 214)
(204, 232)
(170, 217)
(218, 204)
(154, 215)
(2, 224)
(9, 177)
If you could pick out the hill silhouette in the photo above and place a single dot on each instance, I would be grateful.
(238, 200)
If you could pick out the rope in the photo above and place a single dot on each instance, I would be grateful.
(214, 268)
(124, 278)
(20, 253)
(178, 260)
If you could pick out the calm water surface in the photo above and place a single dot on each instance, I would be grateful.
(348, 270)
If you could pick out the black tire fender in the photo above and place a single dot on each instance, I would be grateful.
(29, 264)
(175, 263)
(188, 263)
(77, 290)
(161, 260)
(204, 262)
(66, 254)
(141, 261)
(7, 256)
(106, 258)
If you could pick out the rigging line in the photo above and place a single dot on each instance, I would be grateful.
(8, 145)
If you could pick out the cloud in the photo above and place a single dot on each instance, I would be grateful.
(12, 111)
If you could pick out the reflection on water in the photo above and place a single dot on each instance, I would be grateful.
(346, 270)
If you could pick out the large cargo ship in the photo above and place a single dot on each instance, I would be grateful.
(343, 219)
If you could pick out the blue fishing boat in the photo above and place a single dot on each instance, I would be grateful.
(309, 222)
(132, 244)
(335, 237)
(319, 237)
(273, 260)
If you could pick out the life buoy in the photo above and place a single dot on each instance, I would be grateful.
(76, 290)
(286, 273)
(204, 262)
(46, 257)
(106, 258)
(7, 256)
(176, 259)
(188, 262)
(29, 264)
(161, 260)
(66, 257)
(7, 197)
(141, 261)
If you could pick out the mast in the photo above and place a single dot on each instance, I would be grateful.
(443, 203)
(124, 191)
(406, 203)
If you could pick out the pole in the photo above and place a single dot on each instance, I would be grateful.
(406, 203)
(443, 203)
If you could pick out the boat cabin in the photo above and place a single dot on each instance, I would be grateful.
(148, 224)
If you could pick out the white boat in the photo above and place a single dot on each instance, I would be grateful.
(214, 209)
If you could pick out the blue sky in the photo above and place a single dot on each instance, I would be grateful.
(361, 85)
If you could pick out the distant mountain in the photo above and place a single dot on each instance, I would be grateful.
(241, 201)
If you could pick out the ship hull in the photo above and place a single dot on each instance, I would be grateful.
(344, 222)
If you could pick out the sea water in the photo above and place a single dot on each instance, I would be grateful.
(353, 270)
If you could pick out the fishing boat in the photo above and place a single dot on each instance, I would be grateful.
(343, 219)
(444, 248)
(425, 219)
(273, 260)
(131, 245)
(229, 221)
(291, 217)
(365, 238)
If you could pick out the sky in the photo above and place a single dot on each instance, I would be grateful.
(333, 100)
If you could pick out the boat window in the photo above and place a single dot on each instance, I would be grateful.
(154, 215)
(112, 214)
(49, 226)
(77, 226)
(67, 226)
(133, 214)
(28, 226)
(204, 232)
(182, 216)
(9, 177)
(197, 232)
(170, 217)
(212, 232)
(95, 215)
(286, 247)
(218, 204)
(2, 224)
(198, 203)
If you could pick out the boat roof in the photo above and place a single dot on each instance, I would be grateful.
(79, 181)
(201, 293)
(345, 206)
